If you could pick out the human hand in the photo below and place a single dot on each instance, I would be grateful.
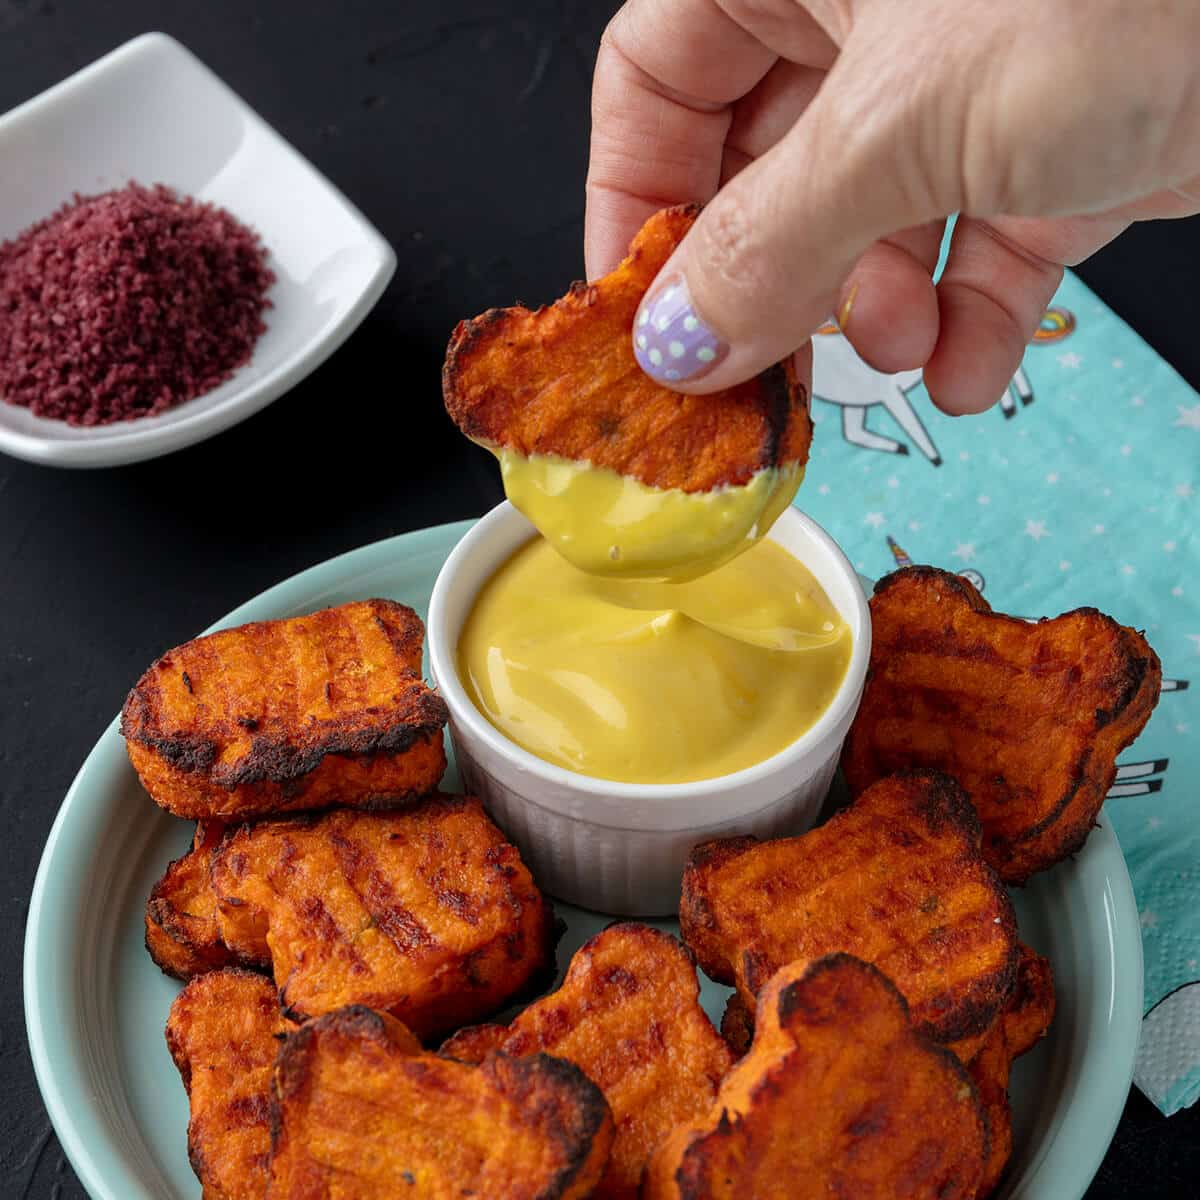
(832, 138)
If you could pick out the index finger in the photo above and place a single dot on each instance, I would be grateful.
(666, 77)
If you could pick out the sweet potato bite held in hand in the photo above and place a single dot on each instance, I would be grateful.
(559, 388)
(358, 1114)
(1028, 716)
(428, 913)
(277, 716)
(897, 879)
(838, 1096)
(628, 1015)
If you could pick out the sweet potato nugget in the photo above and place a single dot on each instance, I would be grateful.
(563, 380)
(182, 934)
(1022, 1025)
(628, 1015)
(1028, 717)
(428, 913)
(277, 716)
(223, 1033)
(896, 879)
(357, 1113)
(1031, 1010)
(838, 1096)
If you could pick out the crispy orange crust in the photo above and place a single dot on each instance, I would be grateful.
(428, 914)
(563, 380)
(357, 1113)
(989, 1071)
(182, 934)
(896, 879)
(223, 1033)
(277, 716)
(628, 1015)
(838, 1096)
(1029, 718)
(473, 1043)
(1021, 1026)
(737, 1028)
(1031, 1010)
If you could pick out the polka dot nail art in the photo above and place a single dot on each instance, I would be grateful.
(670, 342)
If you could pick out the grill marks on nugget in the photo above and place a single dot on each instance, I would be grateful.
(562, 380)
(223, 1033)
(428, 914)
(839, 1095)
(324, 709)
(360, 1111)
(1028, 717)
(628, 1015)
(897, 880)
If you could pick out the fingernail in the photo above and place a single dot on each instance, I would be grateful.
(670, 342)
(843, 316)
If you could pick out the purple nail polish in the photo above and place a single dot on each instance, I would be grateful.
(670, 342)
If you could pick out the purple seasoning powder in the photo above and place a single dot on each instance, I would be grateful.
(125, 304)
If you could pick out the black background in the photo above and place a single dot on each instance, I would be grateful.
(461, 130)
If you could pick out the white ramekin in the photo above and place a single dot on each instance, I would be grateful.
(620, 847)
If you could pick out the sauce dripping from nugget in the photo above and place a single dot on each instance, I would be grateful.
(623, 476)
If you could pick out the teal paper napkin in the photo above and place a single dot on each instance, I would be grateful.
(1081, 488)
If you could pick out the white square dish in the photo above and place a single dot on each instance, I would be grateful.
(152, 112)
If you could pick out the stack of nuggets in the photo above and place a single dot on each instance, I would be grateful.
(390, 896)
(881, 990)
(897, 880)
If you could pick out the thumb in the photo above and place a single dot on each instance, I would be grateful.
(761, 268)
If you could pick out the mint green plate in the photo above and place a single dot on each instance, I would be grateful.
(95, 1004)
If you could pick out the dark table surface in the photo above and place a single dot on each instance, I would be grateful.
(461, 131)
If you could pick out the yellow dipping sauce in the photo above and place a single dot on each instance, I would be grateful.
(609, 524)
(653, 682)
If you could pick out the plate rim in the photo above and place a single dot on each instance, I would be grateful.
(1072, 1156)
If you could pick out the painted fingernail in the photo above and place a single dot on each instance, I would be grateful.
(670, 342)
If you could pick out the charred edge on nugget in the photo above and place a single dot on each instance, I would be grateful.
(291, 1064)
(791, 1001)
(978, 1009)
(161, 915)
(276, 760)
(645, 933)
(777, 395)
(942, 802)
(592, 1106)
(1127, 681)
(716, 852)
(462, 341)
(952, 582)
(737, 1025)
(542, 980)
